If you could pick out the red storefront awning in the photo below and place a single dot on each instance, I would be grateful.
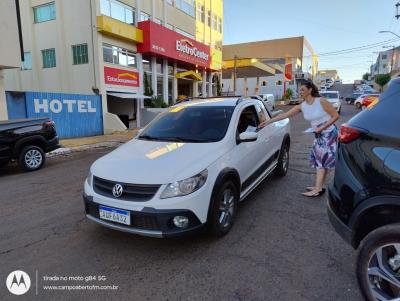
(161, 41)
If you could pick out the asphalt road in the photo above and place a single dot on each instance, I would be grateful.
(344, 89)
(282, 246)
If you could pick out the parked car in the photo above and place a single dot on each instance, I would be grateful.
(188, 169)
(269, 100)
(364, 197)
(323, 88)
(27, 141)
(359, 101)
(338, 81)
(367, 101)
(330, 83)
(334, 98)
(350, 99)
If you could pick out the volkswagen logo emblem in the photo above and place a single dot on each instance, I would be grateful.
(117, 190)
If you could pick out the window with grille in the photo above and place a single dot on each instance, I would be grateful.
(49, 58)
(80, 54)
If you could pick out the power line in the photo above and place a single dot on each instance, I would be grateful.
(359, 48)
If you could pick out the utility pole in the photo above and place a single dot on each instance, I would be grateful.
(397, 10)
(234, 73)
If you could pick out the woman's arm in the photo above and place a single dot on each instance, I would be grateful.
(290, 113)
(328, 108)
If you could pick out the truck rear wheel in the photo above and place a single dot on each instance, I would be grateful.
(31, 158)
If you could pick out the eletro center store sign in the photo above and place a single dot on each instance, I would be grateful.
(162, 41)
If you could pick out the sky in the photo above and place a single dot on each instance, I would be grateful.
(328, 25)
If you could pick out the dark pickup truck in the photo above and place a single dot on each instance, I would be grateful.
(27, 141)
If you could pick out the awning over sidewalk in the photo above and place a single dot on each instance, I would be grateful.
(248, 68)
(128, 95)
(190, 74)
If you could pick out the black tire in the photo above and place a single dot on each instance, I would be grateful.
(283, 161)
(31, 158)
(384, 236)
(216, 227)
(358, 105)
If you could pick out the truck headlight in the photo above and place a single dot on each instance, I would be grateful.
(89, 178)
(186, 186)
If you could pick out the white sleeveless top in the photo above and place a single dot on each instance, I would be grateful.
(315, 113)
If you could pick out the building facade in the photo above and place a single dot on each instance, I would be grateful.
(119, 50)
(268, 67)
(323, 75)
(10, 52)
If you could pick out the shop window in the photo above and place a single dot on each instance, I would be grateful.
(118, 11)
(201, 13)
(187, 6)
(80, 54)
(219, 24)
(43, 13)
(118, 56)
(27, 63)
(49, 58)
(186, 34)
(144, 16)
(146, 65)
(214, 22)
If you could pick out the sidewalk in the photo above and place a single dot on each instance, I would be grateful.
(85, 143)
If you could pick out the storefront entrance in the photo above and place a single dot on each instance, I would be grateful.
(124, 106)
(185, 87)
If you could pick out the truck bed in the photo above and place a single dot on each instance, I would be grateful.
(16, 123)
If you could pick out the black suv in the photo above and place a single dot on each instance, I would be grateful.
(27, 141)
(364, 198)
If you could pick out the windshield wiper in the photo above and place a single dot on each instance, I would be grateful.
(147, 137)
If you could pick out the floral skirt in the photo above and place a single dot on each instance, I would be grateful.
(323, 151)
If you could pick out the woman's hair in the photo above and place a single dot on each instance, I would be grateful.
(310, 85)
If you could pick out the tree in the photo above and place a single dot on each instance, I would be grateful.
(289, 93)
(366, 76)
(382, 79)
(148, 91)
(218, 85)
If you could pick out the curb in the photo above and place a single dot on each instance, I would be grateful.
(64, 151)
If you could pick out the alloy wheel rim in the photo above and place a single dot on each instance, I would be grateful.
(384, 273)
(285, 160)
(33, 158)
(226, 208)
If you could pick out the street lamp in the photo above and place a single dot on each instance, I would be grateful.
(388, 31)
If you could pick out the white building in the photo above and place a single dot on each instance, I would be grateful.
(106, 47)
(10, 50)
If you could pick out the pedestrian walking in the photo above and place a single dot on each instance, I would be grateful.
(322, 116)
